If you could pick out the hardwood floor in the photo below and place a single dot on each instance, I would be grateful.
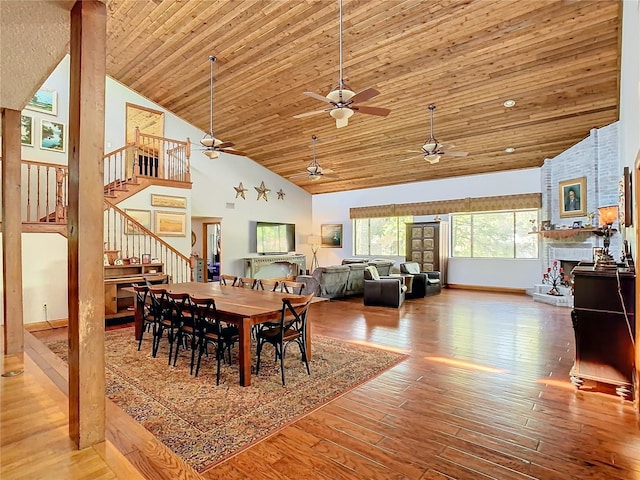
(484, 393)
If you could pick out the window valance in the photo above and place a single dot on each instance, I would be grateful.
(469, 204)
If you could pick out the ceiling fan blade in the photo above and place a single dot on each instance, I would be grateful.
(225, 145)
(317, 96)
(382, 112)
(234, 152)
(330, 175)
(298, 175)
(364, 95)
(455, 154)
(308, 114)
(415, 157)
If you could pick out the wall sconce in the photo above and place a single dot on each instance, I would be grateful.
(607, 215)
(314, 241)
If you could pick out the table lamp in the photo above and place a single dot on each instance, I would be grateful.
(607, 216)
(314, 241)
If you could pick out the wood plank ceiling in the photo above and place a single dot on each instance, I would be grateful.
(559, 60)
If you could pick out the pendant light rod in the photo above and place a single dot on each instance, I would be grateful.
(432, 107)
(314, 139)
(341, 82)
(212, 61)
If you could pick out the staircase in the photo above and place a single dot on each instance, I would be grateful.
(149, 160)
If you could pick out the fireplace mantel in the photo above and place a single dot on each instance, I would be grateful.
(567, 232)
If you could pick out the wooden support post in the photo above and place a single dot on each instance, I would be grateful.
(85, 223)
(12, 233)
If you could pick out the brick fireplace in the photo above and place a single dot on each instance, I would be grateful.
(567, 254)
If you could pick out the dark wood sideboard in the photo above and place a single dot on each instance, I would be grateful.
(604, 325)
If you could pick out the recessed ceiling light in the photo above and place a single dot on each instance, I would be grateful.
(509, 103)
(509, 149)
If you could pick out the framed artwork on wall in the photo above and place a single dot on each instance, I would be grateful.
(170, 224)
(44, 100)
(168, 201)
(52, 136)
(625, 209)
(331, 235)
(26, 130)
(143, 217)
(572, 197)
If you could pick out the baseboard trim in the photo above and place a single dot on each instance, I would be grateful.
(48, 325)
(484, 288)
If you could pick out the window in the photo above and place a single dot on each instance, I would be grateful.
(380, 236)
(494, 234)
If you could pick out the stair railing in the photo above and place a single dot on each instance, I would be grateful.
(147, 156)
(125, 235)
(44, 192)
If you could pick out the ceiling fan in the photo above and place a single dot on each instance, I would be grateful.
(214, 146)
(432, 150)
(314, 170)
(342, 99)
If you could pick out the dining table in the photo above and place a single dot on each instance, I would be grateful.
(238, 306)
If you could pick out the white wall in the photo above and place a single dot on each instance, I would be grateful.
(630, 102)
(520, 274)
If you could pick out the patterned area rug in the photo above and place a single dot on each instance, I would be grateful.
(204, 423)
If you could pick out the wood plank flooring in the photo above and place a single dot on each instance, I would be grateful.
(485, 393)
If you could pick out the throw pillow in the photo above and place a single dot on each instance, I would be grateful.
(372, 273)
(412, 268)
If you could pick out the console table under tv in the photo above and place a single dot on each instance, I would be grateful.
(275, 266)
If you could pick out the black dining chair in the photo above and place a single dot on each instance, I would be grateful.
(186, 331)
(291, 329)
(245, 282)
(227, 279)
(212, 332)
(165, 318)
(267, 284)
(148, 317)
(290, 286)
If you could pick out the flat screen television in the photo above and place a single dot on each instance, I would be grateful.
(275, 238)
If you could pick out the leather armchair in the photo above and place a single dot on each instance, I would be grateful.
(424, 283)
(327, 282)
(383, 290)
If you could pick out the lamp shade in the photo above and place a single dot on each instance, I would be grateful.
(212, 154)
(608, 214)
(314, 239)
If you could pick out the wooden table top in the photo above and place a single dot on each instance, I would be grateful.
(242, 302)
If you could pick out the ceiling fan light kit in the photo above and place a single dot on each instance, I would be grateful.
(431, 149)
(342, 98)
(213, 146)
(314, 171)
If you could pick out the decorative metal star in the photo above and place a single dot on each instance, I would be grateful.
(240, 191)
(280, 194)
(262, 191)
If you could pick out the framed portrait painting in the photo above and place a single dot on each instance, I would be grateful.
(572, 197)
(331, 235)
